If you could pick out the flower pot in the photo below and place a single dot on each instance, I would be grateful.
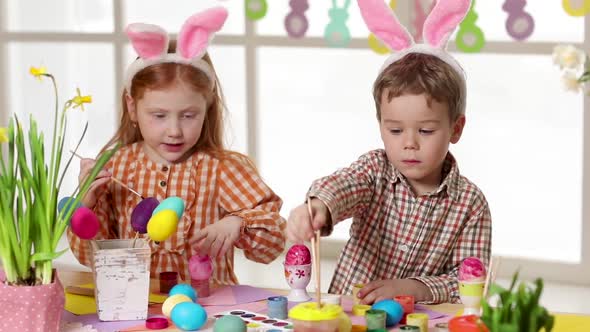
(121, 271)
(31, 308)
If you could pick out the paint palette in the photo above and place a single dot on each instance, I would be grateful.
(257, 322)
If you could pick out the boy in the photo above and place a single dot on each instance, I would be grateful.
(415, 218)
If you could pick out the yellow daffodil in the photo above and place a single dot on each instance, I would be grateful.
(3, 135)
(38, 72)
(80, 100)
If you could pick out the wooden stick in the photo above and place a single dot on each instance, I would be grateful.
(113, 178)
(315, 253)
(491, 275)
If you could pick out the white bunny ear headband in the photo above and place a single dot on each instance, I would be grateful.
(151, 43)
(438, 27)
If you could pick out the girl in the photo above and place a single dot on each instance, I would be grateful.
(171, 132)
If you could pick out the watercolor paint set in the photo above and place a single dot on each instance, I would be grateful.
(257, 322)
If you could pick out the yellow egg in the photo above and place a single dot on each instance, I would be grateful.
(162, 225)
(173, 300)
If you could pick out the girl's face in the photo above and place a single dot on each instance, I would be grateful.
(170, 121)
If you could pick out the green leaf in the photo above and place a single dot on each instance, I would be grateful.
(47, 256)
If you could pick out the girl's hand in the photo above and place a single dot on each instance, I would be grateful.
(378, 290)
(300, 227)
(216, 239)
(101, 180)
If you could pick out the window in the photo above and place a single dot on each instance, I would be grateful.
(303, 109)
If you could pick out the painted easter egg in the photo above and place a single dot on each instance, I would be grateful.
(84, 223)
(162, 225)
(472, 269)
(67, 203)
(142, 213)
(189, 316)
(200, 267)
(184, 289)
(393, 309)
(229, 323)
(298, 254)
(175, 204)
(172, 301)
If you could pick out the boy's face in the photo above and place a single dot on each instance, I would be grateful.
(170, 121)
(417, 137)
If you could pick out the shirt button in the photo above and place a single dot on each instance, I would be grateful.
(403, 248)
(163, 183)
(165, 169)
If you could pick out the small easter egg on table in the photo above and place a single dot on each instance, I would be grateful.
(142, 213)
(189, 316)
(67, 203)
(172, 301)
(175, 204)
(184, 289)
(84, 223)
(229, 323)
(162, 225)
(394, 311)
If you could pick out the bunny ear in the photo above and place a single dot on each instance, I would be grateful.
(442, 21)
(198, 30)
(383, 23)
(149, 41)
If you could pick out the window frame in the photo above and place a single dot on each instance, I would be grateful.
(251, 41)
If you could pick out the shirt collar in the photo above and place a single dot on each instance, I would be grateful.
(450, 171)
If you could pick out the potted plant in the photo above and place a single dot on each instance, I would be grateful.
(518, 309)
(30, 223)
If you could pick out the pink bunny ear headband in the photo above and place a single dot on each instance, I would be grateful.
(151, 43)
(438, 27)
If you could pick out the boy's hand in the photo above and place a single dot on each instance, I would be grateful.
(378, 290)
(101, 180)
(300, 227)
(216, 239)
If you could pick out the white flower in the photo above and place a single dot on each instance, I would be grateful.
(568, 56)
(570, 81)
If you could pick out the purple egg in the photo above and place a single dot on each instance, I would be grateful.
(84, 223)
(142, 214)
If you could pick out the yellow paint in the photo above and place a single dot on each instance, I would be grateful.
(571, 323)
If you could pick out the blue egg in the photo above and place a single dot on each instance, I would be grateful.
(394, 311)
(175, 204)
(184, 289)
(66, 203)
(188, 316)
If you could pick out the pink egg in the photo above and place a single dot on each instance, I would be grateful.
(142, 213)
(298, 255)
(84, 223)
(471, 269)
(200, 267)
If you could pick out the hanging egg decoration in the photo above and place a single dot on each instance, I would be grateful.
(84, 223)
(336, 32)
(256, 9)
(519, 24)
(575, 8)
(142, 213)
(470, 37)
(296, 23)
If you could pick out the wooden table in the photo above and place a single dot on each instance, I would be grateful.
(74, 278)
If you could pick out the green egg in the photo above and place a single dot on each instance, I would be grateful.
(229, 323)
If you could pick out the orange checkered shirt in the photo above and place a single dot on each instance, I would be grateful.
(211, 189)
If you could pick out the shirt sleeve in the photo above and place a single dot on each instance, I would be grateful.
(474, 241)
(243, 193)
(348, 191)
(82, 249)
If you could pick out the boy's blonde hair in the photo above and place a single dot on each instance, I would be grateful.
(418, 73)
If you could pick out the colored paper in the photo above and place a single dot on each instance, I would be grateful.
(234, 295)
(92, 319)
(82, 305)
(571, 323)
